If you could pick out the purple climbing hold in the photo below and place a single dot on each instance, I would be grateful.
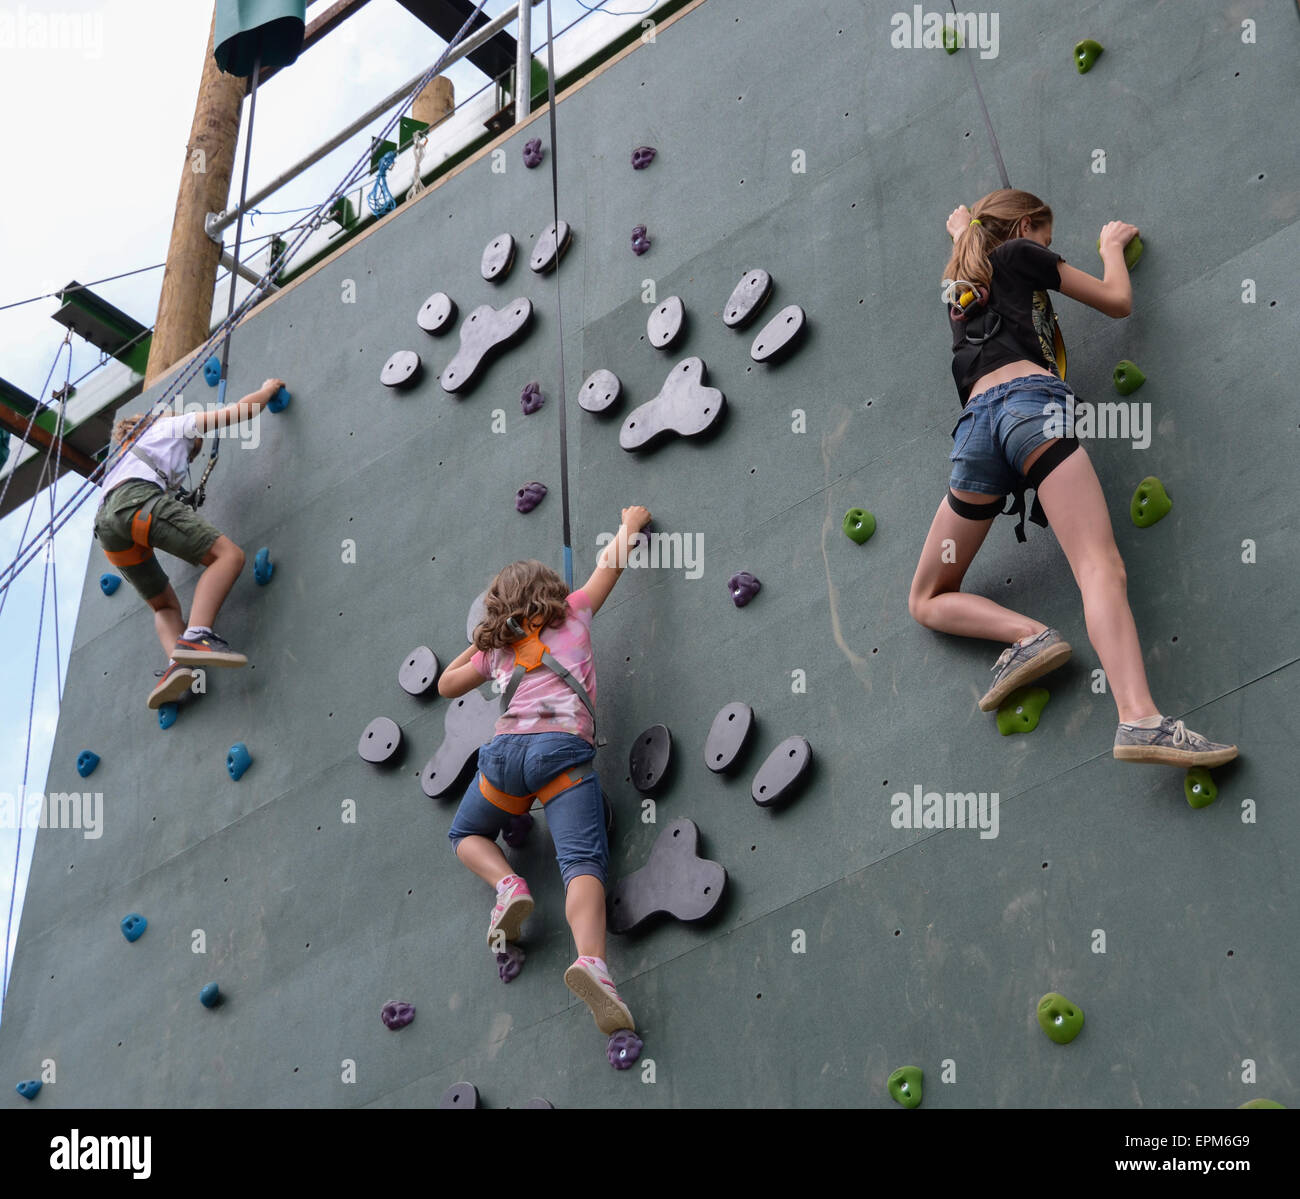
(642, 157)
(531, 398)
(510, 963)
(640, 242)
(518, 829)
(529, 496)
(743, 587)
(533, 152)
(397, 1014)
(623, 1049)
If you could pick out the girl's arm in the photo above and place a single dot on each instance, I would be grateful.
(460, 676)
(608, 569)
(1113, 294)
(243, 409)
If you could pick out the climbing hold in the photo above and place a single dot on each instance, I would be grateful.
(263, 567)
(109, 583)
(419, 671)
(623, 1048)
(531, 398)
(650, 758)
(210, 995)
(395, 1014)
(1127, 377)
(533, 152)
(212, 371)
(540, 1103)
(780, 335)
(600, 391)
(517, 829)
(529, 496)
(1059, 1018)
(167, 714)
(666, 322)
(401, 370)
(509, 962)
(683, 406)
(1253, 1103)
(1085, 54)
(381, 741)
(133, 926)
(859, 524)
(1199, 787)
(550, 247)
(437, 313)
(640, 242)
(1132, 251)
(747, 297)
(781, 775)
(675, 881)
(483, 334)
(238, 759)
(1150, 502)
(280, 401)
(87, 760)
(477, 615)
(728, 735)
(951, 38)
(498, 257)
(905, 1086)
(743, 587)
(642, 157)
(469, 723)
(1019, 712)
(28, 1088)
(463, 1094)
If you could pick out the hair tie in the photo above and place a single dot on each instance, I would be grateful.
(976, 221)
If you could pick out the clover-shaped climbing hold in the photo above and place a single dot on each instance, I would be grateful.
(509, 962)
(642, 157)
(167, 714)
(1150, 502)
(109, 583)
(1086, 54)
(665, 323)
(1059, 1018)
(381, 741)
(640, 240)
(551, 244)
(675, 880)
(517, 829)
(1127, 377)
(30, 1086)
(401, 370)
(212, 371)
(1253, 1103)
(87, 760)
(280, 401)
(600, 392)
(461, 1094)
(905, 1086)
(238, 759)
(210, 995)
(1019, 712)
(747, 297)
(419, 671)
(1132, 251)
(780, 335)
(263, 567)
(529, 496)
(133, 926)
(649, 759)
(728, 735)
(1199, 787)
(484, 334)
(469, 723)
(437, 314)
(623, 1048)
(782, 773)
(743, 587)
(498, 257)
(683, 406)
(396, 1014)
(859, 524)
(533, 152)
(531, 398)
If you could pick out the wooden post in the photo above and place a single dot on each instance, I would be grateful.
(435, 102)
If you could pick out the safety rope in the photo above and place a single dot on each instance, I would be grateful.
(418, 144)
(381, 199)
(988, 124)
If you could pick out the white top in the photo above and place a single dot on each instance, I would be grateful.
(167, 443)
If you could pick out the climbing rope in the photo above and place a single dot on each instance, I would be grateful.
(381, 199)
(988, 124)
(417, 149)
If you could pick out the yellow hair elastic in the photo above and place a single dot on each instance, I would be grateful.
(976, 221)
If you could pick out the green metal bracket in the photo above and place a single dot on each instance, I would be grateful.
(109, 328)
(377, 150)
(407, 128)
(342, 212)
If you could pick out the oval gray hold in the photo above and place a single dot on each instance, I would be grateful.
(463, 1094)
(649, 759)
(419, 671)
(779, 336)
(749, 295)
(550, 247)
(401, 370)
(498, 257)
(438, 313)
(477, 611)
(779, 777)
(727, 736)
(600, 391)
(381, 741)
(666, 321)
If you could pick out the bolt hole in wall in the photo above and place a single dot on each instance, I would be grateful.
(1230, 953)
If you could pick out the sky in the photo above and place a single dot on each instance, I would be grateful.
(94, 142)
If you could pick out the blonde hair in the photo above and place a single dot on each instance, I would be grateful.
(1000, 214)
(529, 592)
(123, 429)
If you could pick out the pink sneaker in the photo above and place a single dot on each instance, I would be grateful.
(514, 905)
(596, 989)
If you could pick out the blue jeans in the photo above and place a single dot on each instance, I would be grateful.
(1001, 427)
(521, 763)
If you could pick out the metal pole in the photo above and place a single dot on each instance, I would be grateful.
(524, 64)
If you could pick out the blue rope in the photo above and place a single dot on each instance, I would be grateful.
(379, 205)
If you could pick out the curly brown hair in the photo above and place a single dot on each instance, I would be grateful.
(999, 215)
(529, 592)
(126, 426)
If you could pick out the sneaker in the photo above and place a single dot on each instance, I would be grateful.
(207, 650)
(1171, 744)
(173, 682)
(596, 989)
(1021, 664)
(514, 905)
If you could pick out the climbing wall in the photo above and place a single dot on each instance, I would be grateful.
(798, 140)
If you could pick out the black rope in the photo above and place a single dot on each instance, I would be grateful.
(988, 124)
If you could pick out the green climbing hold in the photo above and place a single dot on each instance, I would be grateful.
(1150, 502)
(1019, 712)
(1132, 251)
(1059, 1018)
(1259, 1103)
(1127, 377)
(859, 524)
(951, 38)
(1199, 787)
(1086, 54)
(905, 1086)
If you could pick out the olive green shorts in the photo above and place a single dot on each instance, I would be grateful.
(177, 529)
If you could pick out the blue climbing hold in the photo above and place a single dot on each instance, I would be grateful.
(133, 926)
(212, 371)
(210, 996)
(280, 401)
(28, 1088)
(87, 760)
(263, 567)
(238, 759)
(167, 714)
(108, 583)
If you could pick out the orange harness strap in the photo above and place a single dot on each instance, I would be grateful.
(141, 551)
(517, 805)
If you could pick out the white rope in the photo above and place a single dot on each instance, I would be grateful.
(417, 148)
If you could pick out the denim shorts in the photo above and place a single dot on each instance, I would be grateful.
(519, 764)
(1001, 427)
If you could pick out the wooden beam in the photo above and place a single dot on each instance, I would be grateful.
(317, 28)
(81, 463)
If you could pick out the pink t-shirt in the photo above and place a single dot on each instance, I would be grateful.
(544, 702)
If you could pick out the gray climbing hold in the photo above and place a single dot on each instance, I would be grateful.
(463, 1094)
(550, 247)
(675, 881)
(498, 257)
(746, 299)
(401, 370)
(600, 392)
(418, 673)
(381, 741)
(483, 334)
(438, 313)
(470, 722)
(780, 335)
(780, 777)
(683, 406)
(666, 322)
(650, 758)
(728, 736)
